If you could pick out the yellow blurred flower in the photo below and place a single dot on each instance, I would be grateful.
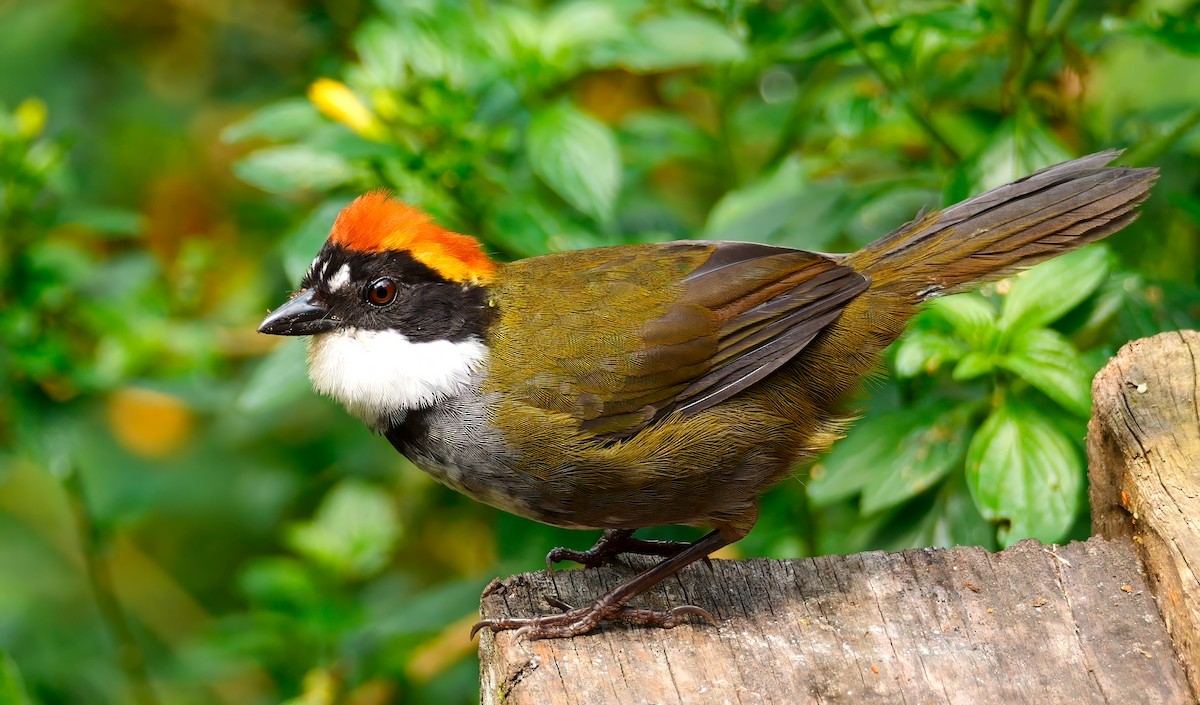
(30, 117)
(321, 686)
(336, 101)
(149, 423)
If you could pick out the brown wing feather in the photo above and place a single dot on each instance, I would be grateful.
(771, 302)
(718, 318)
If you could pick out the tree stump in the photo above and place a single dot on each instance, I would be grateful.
(1144, 472)
(1031, 624)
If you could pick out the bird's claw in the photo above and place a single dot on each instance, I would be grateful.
(590, 558)
(613, 605)
(613, 543)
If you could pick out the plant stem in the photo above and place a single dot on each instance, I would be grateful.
(1019, 43)
(1053, 33)
(1152, 149)
(130, 656)
(914, 107)
(1062, 16)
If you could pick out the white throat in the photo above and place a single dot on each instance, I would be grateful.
(379, 375)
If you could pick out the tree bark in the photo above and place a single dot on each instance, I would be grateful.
(1144, 471)
(1032, 624)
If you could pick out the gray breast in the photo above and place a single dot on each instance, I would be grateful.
(455, 444)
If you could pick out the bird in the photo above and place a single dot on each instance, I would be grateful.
(643, 385)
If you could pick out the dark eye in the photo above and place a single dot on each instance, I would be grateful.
(382, 292)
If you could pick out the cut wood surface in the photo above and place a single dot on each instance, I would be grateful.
(1032, 624)
(1144, 470)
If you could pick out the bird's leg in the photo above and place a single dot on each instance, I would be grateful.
(611, 606)
(613, 542)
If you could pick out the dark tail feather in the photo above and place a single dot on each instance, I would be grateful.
(1015, 226)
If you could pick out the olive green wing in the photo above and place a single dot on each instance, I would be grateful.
(653, 330)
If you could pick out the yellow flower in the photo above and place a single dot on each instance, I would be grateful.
(149, 423)
(336, 101)
(30, 117)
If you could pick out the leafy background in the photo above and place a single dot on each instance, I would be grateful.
(183, 521)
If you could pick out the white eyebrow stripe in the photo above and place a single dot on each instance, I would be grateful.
(339, 279)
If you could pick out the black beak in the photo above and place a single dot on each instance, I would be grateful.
(302, 315)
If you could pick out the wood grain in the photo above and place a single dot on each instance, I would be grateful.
(1032, 624)
(1144, 470)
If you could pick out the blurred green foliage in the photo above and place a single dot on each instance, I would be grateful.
(181, 520)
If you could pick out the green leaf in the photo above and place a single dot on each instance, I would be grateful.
(1043, 294)
(1018, 147)
(842, 530)
(954, 520)
(931, 448)
(353, 532)
(888, 208)
(290, 168)
(279, 379)
(284, 584)
(674, 41)
(572, 29)
(525, 226)
(303, 243)
(576, 155)
(290, 119)
(973, 364)
(1048, 361)
(868, 454)
(513, 36)
(759, 209)
(652, 137)
(381, 53)
(784, 205)
(1179, 32)
(970, 315)
(947, 517)
(858, 459)
(1024, 474)
(924, 351)
(109, 221)
(414, 45)
(12, 688)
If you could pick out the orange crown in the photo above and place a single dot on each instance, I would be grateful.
(376, 222)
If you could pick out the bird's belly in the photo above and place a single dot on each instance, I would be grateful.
(480, 465)
(508, 483)
(564, 503)
(714, 468)
(497, 492)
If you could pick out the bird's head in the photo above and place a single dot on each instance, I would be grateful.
(396, 307)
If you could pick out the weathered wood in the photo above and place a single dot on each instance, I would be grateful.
(1032, 624)
(1144, 469)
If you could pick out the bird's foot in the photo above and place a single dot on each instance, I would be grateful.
(612, 543)
(611, 607)
(574, 621)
